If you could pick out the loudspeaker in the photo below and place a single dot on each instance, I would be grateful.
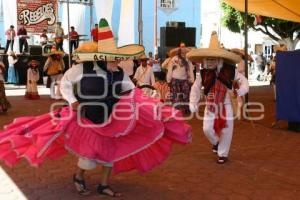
(187, 35)
(170, 36)
(35, 50)
(175, 24)
(162, 51)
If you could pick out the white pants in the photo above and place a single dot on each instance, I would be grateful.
(226, 134)
(91, 164)
(55, 79)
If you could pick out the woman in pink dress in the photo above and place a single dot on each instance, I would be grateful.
(108, 122)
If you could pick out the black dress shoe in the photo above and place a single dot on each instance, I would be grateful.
(215, 148)
(222, 160)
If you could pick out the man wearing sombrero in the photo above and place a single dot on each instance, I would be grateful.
(54, 68)
(217, 78)
(144, 75)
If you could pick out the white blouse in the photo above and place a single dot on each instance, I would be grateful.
(11, 60)
(179, 72)
(75, 74)
(144, 76)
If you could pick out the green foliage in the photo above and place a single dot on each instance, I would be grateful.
(234, 20)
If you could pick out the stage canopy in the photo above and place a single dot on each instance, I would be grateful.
(281, 9)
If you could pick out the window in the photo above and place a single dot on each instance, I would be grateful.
(167, 4)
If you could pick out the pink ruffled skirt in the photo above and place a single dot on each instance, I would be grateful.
(138, 135)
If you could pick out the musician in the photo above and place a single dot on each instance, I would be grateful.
(44, 37)
(59, 36)
(10, 35)
(73, 39)
(94, 33)
(22, 33)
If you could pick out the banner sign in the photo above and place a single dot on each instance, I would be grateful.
(37, 15)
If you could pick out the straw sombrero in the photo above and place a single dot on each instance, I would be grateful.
(106, 48)
(143, 57)
(34, 62)
(241, 52)
(183, 48)
(214, 50)
(54, 51)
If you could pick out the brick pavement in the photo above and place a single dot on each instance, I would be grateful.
(264, 164)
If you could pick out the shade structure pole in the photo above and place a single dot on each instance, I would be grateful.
(246, 43)
(140, 22)
(155, 26)
(68, 12)
(91, 15)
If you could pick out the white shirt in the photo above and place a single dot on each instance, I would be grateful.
(75, 74)
(11, 60)
(195, 94)
(156, 65)
(59, 32)
(127, 66)
(166, 64)
(179, 72)
(144, 76)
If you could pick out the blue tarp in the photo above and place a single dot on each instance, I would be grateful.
(288, 86)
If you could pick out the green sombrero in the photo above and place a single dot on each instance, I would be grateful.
(106, 48)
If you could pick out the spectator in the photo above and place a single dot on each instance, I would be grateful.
(12, 76)
(156, 64)
(150, 59)
(33, 76)
(4, 104)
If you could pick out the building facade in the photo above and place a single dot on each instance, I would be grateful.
(123, 16)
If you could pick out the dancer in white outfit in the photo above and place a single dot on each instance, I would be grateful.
(217, 78)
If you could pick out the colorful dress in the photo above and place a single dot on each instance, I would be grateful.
(31, 88)
(4, 104)
(12, 76)
(141, 141)
(162, 91)
(180, 77)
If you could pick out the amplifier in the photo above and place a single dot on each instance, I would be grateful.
(35, 50)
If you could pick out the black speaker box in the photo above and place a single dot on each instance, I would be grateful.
(163, 50)
(171, 36)
(35, 50)
(175, 24)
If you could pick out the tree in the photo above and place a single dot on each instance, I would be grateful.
(284, 32)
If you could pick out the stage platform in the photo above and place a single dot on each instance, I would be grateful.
(22, 65)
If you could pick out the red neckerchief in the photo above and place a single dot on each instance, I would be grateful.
(215, 101)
